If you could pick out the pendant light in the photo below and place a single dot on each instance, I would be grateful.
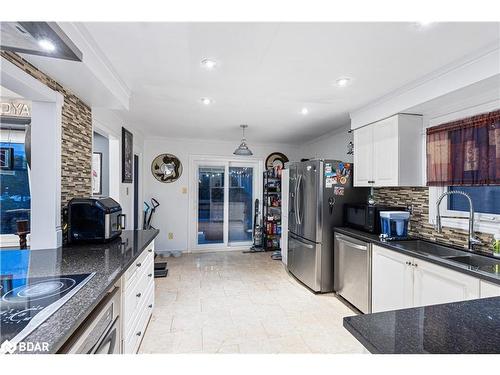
(243, 149)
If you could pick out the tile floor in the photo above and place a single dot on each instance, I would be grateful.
(230, 302)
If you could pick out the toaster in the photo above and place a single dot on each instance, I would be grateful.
(94, 220)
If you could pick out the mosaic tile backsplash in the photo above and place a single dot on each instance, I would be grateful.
(419, 226)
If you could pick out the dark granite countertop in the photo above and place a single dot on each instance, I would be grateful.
(108, 260)
(491, 275)
(461, 327)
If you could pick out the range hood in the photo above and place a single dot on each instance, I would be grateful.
(38, 38)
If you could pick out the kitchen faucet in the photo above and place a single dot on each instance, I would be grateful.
(473, 240)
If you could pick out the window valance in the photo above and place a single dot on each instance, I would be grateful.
(465, 152)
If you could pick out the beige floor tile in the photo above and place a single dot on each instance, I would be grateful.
(229, 302)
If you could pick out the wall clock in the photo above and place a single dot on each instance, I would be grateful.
(166, 168)
(276, 159)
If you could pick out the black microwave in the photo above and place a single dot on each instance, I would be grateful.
(366, 217)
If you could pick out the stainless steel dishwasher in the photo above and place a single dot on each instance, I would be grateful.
(353, 271)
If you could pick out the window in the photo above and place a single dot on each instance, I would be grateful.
(486, 202)
(485, 199)
(15, 196)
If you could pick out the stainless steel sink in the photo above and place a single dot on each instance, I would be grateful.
(429, 248)
(473, 261)
(477, 261)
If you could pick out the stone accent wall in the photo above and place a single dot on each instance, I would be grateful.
(418, 197)
(76, 146)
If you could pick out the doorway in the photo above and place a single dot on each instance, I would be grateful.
(136, 192)
(223, 203)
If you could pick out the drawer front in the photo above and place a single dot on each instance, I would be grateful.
(146, 312)
(136, 333)
(138, 263)
(136, 292)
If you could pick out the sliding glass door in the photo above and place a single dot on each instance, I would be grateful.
(211, 205)
(240, 204)
(224, 202)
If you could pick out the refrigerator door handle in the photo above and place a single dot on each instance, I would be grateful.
(308, 245)
(297, 201)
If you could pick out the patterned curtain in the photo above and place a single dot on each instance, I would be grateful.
(465, 152)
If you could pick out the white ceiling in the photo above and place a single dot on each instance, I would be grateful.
(267, 72)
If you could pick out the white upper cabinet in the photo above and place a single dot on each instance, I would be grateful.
(363, 143)
(389, 152)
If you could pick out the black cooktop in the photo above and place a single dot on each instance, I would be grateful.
(26, 303)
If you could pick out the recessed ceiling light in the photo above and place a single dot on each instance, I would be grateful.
(208, 64)
(47, 45)
(304, 111)
(206, 101)
(344, 81)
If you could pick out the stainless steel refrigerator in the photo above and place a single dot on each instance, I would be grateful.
(317, 191)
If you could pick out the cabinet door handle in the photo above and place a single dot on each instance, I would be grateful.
(150, 274)
(150, 306)
(138, 264)
(139, 333)
(150, 250)
(371, 182)
(138, 294)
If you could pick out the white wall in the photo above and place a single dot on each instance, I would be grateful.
(109, 123)
(329, 146)
(173, 213)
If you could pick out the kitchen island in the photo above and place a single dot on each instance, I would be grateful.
(428, 297)
(468, 327)
(107, 262)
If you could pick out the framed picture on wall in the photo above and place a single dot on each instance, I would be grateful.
(97, 173)
(127, 156)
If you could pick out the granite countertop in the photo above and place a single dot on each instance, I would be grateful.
(461, 327)
(492, 274)
(108, 260)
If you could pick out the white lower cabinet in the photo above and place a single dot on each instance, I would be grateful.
(489, 289)
(433, 284)
(400, 281)
(392, 280)
(137, 300)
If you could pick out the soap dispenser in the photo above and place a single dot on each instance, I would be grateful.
(496, 244)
